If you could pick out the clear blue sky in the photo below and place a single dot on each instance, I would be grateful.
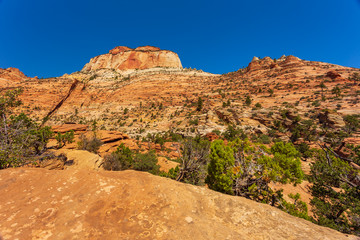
(51, 37)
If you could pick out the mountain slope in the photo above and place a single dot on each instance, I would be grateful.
(158, 96)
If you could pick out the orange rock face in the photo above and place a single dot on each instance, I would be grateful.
(12, 74)
(83, 204)
(147, 48)
(119, 50)
(269, 63)
(124, 58)
(257, 63)
(68, 127)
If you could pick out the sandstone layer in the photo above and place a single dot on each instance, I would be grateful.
(80, 204)
(10, 75)
(124, 58)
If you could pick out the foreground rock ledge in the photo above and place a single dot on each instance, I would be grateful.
(79, 204)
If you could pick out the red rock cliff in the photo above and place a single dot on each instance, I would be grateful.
(125, 58)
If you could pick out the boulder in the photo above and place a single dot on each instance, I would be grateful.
(227, 116)
(333, 74)
(81, 159)
(332, 120)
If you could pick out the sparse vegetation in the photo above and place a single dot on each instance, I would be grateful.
(123, 158)
(22, 140)
(335, 191)
(91, 144)
(65, 138)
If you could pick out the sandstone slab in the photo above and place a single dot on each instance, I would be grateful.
(79, 204)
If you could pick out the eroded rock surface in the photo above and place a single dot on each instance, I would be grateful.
(10, 75)
(79, 204)
(125, 58)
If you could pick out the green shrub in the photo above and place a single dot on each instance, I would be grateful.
(246, 169)
(199, 104)
(248, 101)
(298, 208)
(146, 162)
(63, 139)
(220, 170)
(258, 105)
(173, 173)
(22, 140)
(232, 132)
(265, 139)
(335, 191)
(121, 159)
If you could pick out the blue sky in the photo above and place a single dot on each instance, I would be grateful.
(49, 38)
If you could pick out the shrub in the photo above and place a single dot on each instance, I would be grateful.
(246, 169)
(193, 160)
(220, 170)
(248, 101)
(173, 173)
(22, 140)
(63, 139)
(265, 139)
(199, 104)
(298, 208)
(352, 123)
(336, 90)
(89, 144)
(336, 193)
(121, 159)
(146, 162)
(305, 150)
(232, 132)
(194, 121)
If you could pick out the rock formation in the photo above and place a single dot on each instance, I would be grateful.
(82, 204)
(333, 74)
(269, 63)
(125, 58)
(12, 74)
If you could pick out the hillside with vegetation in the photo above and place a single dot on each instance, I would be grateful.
(282, 132)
